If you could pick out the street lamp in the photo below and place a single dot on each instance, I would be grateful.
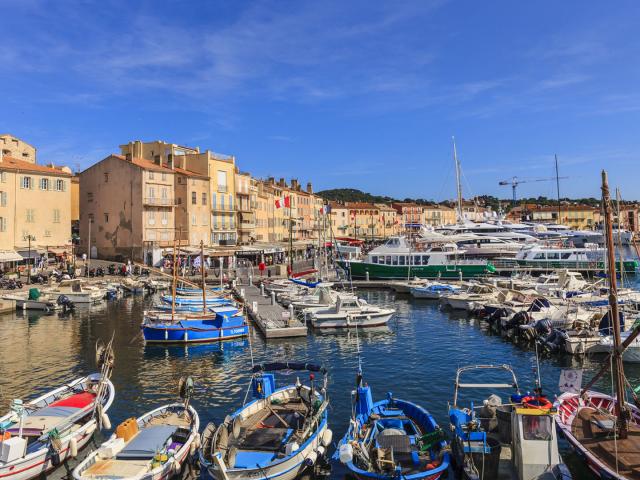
(29, 238)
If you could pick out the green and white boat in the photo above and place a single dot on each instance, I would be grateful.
(397, 259)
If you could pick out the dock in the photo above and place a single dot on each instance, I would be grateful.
(273, 320)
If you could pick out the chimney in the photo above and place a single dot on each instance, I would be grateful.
(282, 183)
(294, 184)
(309, 187)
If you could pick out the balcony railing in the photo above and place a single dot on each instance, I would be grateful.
(159, 201)
(222, 189)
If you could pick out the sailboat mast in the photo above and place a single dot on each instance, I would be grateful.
(619, 215)
(173, 283)
(613, 310)
(204, 291)
(558, 189)
(458, 184)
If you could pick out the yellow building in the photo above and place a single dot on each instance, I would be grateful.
(34, 206)
(192, 213)
(246, 192)
(577, 217)
(437, 215)
(75, 198)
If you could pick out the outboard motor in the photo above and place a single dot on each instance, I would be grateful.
(66, 303)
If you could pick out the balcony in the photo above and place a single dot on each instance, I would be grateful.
(159, 201)
(222, 189)
(246, 225)
(223, 208)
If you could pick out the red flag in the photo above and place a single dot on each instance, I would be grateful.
(287, 201)
(278, 203)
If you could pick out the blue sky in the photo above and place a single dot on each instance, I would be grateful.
(346, 94)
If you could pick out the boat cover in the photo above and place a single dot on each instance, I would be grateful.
(79, 400)
(303, 283)
(147, 442)
(271, 367)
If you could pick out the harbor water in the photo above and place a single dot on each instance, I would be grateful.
(415, 357)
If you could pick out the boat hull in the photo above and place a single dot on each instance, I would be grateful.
(388, 272)
(351, 321)
(168, 334)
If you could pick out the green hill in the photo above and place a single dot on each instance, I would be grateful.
(352, 195)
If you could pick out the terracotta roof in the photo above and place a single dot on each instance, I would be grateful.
(362, 206)
(144, 163)
(10, 163)
(189, 173)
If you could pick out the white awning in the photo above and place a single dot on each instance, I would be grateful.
(10, 256)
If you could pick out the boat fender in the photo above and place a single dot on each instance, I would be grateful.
(236, 427)
(321, 451)
(73, 447)
(327, 436)
(176, 467)
(345, 453)
(91, 428)
(106, 421)
(231, 457)
(311, 459)
(196, 441)
(192, 448)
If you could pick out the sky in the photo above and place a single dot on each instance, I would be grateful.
(354, 94)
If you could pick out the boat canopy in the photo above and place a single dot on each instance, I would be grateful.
(305, 284)
(275, 366)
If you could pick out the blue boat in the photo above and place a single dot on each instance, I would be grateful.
(159, 328)
(195, 300)
(392, 439)
(197, 308)
(278, 435)
(195, 291)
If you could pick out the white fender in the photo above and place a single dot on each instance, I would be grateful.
(327, 436)
(92, 428)
(192, 448)
(311, 459)
(106, 422)
(321, 451)
(73, 447)
(196, 441)
(176, 466)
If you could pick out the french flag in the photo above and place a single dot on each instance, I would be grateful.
(325, 210)
(286, 202)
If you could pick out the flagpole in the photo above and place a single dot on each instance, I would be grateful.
(290, 237)
(204, 294)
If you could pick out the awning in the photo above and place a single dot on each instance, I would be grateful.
(10, 256)
(35, 253)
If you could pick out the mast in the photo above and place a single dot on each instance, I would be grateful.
(173, 283)
(558, 188)
(458, 184)
(290, 239)
(204, 292)
(613, 310)
(619, 215)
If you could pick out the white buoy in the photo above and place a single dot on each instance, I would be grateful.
(311, 459)
(73, 447)
(321, 451)
(346, 453)
(106, 422)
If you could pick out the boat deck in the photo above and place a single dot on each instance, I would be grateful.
(594, 430)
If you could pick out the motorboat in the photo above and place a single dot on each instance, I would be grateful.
(349, 311)
(278, 435)
(405, 286)
(392, 439)
(77, 291)
(434, 290)
(34, 300)
(476, 295)
(153, 446)
(502, 441)
(40, 435)
(320, 296)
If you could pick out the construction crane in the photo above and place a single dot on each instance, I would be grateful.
(515, 181)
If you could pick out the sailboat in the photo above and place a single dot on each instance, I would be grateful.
(605, 429)
(188, 326)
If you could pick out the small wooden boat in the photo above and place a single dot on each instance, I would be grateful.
(152, 447)
(392, 439)
(499, 441)
(276, 436)
(38, 436)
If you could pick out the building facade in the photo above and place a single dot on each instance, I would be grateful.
(17, 149)
(34, 207)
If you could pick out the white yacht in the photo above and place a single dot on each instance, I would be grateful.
(474, 296)
(495, 230)
(77, 291)
(349, 311)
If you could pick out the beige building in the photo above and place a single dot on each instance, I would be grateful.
(13, 147)
(437, 215)
(75, 198)
(34, 205)
(577, 217)
(128, 203)
(192, 212)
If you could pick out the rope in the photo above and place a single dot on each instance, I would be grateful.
(615, 421)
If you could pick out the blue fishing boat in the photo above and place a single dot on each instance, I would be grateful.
(392, 439)
(211, 300)
(186, 291)
(196, 308)
(159, 327)
(278, 435)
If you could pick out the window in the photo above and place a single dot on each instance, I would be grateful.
(388, 260)
(222, 181)
(194, 198)
(223, 222)
(3, 199)
(60, 185)
(164, 193)
(44, 184)
(150, 175)
(47, 233)
(106, 177)
(230, 202)
(402, 259)
(213, 201)
(151, 219)
(31, 216)
(27, 182)
(3, 177)
(536, 427)
(3, 224)
(89, 197)
(417, 260)
(204, 218)
(193, 219)
(374, 259)
(565, 256)
(165, 217)
(106, 218)
(425, 259)
(163, 177)
(204, 198)
(179, 179)
(215, 221)
(56, 215)
(553, 255)
(539, 256)
(179, 200)
(152, 192)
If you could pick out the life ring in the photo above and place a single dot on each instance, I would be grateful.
(539, 402)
